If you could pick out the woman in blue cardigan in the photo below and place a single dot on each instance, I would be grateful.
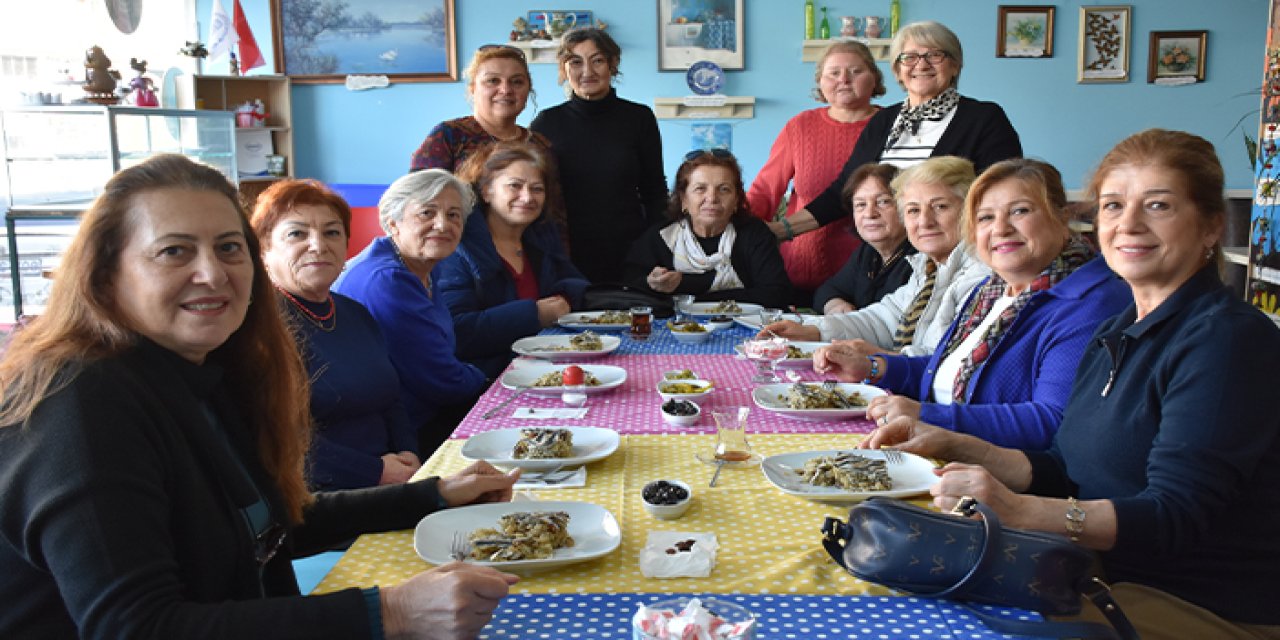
(1004, 368)
(511, 275)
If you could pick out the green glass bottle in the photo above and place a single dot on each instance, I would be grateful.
(894, 11)
(824, 30)
(808, 19)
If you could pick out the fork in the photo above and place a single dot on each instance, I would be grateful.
(893, 456)
(460, 548)
(830, 387)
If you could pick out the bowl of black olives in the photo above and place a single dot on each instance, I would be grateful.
(681, 413)
(719, 322)
(667, 499)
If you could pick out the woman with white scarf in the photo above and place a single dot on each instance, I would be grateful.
(713, 248)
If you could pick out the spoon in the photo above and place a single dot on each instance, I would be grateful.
(716, 475)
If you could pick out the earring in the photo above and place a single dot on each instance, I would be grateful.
(1208, 253)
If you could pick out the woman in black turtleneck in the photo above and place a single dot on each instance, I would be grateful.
(610, 156)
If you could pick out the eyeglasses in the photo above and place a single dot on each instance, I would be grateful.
(268, 542)
(716, 152)
(912, 59)
(489, 47)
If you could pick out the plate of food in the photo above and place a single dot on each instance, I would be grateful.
(547, 379)
(729, 308)
(752, 321)
(800, 354)
(541, 448)
(520, 536)
(580, 346)
(596, 320)
(813, 401)
(848, 476)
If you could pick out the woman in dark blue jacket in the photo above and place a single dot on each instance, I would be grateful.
(511, 275)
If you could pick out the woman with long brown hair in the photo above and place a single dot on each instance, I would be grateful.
(155, 425)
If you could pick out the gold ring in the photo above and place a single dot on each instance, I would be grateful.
(884, 420)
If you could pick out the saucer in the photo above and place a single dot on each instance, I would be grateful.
(709, 457)
(705, 78)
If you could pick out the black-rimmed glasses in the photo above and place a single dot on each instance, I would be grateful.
(912, 59)
(716, 152)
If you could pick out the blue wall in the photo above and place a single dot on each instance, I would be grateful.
(367, 137)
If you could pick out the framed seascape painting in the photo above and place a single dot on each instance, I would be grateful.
(323, 41)
(1024, 32)
(694, 30)
(1176, 57)
(1104, 44)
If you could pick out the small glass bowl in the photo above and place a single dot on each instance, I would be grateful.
(727, 611)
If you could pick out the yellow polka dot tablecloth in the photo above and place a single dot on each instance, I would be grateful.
(770, 542)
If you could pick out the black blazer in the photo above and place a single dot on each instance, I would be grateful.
(980, 131)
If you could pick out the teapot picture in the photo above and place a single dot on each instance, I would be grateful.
(556, 22)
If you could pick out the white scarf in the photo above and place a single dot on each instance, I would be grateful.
(688, 256)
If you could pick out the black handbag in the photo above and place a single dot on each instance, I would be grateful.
(932, 554)
(620, 297)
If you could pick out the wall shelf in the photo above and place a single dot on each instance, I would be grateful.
(705, 108)
(810, 50)
(538, 51)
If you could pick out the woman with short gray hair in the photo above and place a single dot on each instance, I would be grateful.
(422, 214)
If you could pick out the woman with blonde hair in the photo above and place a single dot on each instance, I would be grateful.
(155, 426)
(808, 155)
(498, 86)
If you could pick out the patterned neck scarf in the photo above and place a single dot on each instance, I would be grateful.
(906, 332)
(688, 256)
(935, 108)
(1073, 256)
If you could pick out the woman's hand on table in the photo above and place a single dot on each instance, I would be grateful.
(913, 436)
(479, 482)
(843, 361)
(663, 280)
(791, 330)
(551, 309)
(838, 305)
(398, 468)
(885, 409)
(451, 602)
(957, 480)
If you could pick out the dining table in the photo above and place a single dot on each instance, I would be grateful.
(770, 557)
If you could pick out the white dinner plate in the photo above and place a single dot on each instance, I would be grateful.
(589, 444)
(752, 322)
(766, 397)
(595, 532)
(546, 348)
(581, 320)
(708, 309)
(610, 377)
(801, 363)
(913, 477)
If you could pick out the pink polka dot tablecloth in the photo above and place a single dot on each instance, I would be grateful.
(634, 407)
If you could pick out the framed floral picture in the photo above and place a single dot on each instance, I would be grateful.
(1024, 32)
(1104, 43)
(1176, 57)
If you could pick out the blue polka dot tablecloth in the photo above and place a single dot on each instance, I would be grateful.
(779, 617)
(661, 341)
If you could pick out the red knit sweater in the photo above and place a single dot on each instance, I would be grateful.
(809, 152)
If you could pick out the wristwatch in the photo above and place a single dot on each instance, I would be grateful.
(1075, 520)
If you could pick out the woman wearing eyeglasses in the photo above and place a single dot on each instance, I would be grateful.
(934, 120)
(880, 264)
(714, 248)
(154, 440)
(609, 152)
(498, 86)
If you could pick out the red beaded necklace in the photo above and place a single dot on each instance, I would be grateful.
(317, 319)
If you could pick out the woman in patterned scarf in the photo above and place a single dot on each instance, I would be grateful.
(1004, 369)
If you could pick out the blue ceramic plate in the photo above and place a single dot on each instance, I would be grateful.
(705, 78)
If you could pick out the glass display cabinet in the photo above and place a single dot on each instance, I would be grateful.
(57, 160)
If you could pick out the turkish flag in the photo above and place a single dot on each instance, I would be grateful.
(250, 56)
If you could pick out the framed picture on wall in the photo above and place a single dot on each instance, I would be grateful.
(1024, 32)
(693, 30)
(1176, 56)
(405, 40)
(1104, 43)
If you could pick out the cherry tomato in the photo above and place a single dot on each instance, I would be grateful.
(573, 375)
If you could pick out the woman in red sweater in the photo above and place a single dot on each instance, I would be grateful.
(808, 155)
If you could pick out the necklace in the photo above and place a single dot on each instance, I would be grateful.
(872, 275)
(426, 282)
(315, 318)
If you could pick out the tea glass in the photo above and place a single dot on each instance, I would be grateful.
(681, 303)
(641, 323)
(731, 435)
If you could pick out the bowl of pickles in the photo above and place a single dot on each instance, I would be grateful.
(684, 389)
